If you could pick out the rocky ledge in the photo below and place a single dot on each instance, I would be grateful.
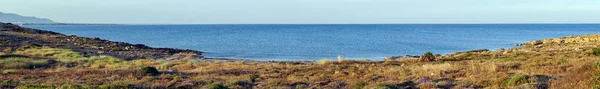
(14, 37)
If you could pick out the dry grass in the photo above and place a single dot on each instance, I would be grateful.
(549, 66)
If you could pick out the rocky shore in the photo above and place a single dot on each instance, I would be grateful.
(37, 59)
(14, 37)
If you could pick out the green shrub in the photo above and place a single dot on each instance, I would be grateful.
(62, 55)
(33, 86)
(595, 81)
(107, 62)
(216, 86)
(6, 72)
(116, 86)
(516, 80)
(597, 66)
(381, 86)
(359, 86)
(9, 82)
(596, 51)
(16, 62)
(253, 77)
(150, 70)
(239, 85)
(71, 87)
(427, 57)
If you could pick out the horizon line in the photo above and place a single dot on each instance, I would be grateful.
(58, 23)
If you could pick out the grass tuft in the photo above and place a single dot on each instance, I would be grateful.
(596, 51)
(427, 57)
(9, 82)
(216, 86)
(516, 80)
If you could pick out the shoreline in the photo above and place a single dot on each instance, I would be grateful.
(37, 59)
(352, 58)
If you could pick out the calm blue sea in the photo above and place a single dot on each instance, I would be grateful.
(314, 42)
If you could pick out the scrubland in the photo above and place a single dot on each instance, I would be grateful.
(558, 63)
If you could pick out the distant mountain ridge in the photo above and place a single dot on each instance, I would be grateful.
(14, 18)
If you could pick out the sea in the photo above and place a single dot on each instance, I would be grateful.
(293, 42)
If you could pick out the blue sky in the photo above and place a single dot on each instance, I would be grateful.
(307, 11)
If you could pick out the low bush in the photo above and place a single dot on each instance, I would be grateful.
(516, 80)
(253, 77)
(116, 86)
(36, 86)
(9, 82)
(240, 85)
(358, 86)
(427, 57)
(216, 86)
(150, 70)
(380, 86)
(595, 81)
(596, 51)
(16, 62)
(71, 87)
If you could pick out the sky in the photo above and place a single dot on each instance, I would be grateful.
(307, 11)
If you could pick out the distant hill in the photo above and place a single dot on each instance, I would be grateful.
(12, 18)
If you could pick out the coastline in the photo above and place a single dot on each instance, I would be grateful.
(195, 52)
(276, 44)
(18, 37)
(302, 59)
(36, 59)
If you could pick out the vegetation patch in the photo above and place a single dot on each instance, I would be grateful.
(107, 62)
(116, 86)
(427, 57)
(62, 55)
(9, 82)
(216, 86)
(381, 86)
(72, 87)
(595, 81)
(461, 70)
(596, 51)
(8, 71)
(516, 80)
(24, 63)
(150, 70)
(37, 86)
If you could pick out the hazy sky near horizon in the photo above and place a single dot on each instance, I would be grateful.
(307, 11)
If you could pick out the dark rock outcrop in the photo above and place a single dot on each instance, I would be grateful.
(13, 37)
